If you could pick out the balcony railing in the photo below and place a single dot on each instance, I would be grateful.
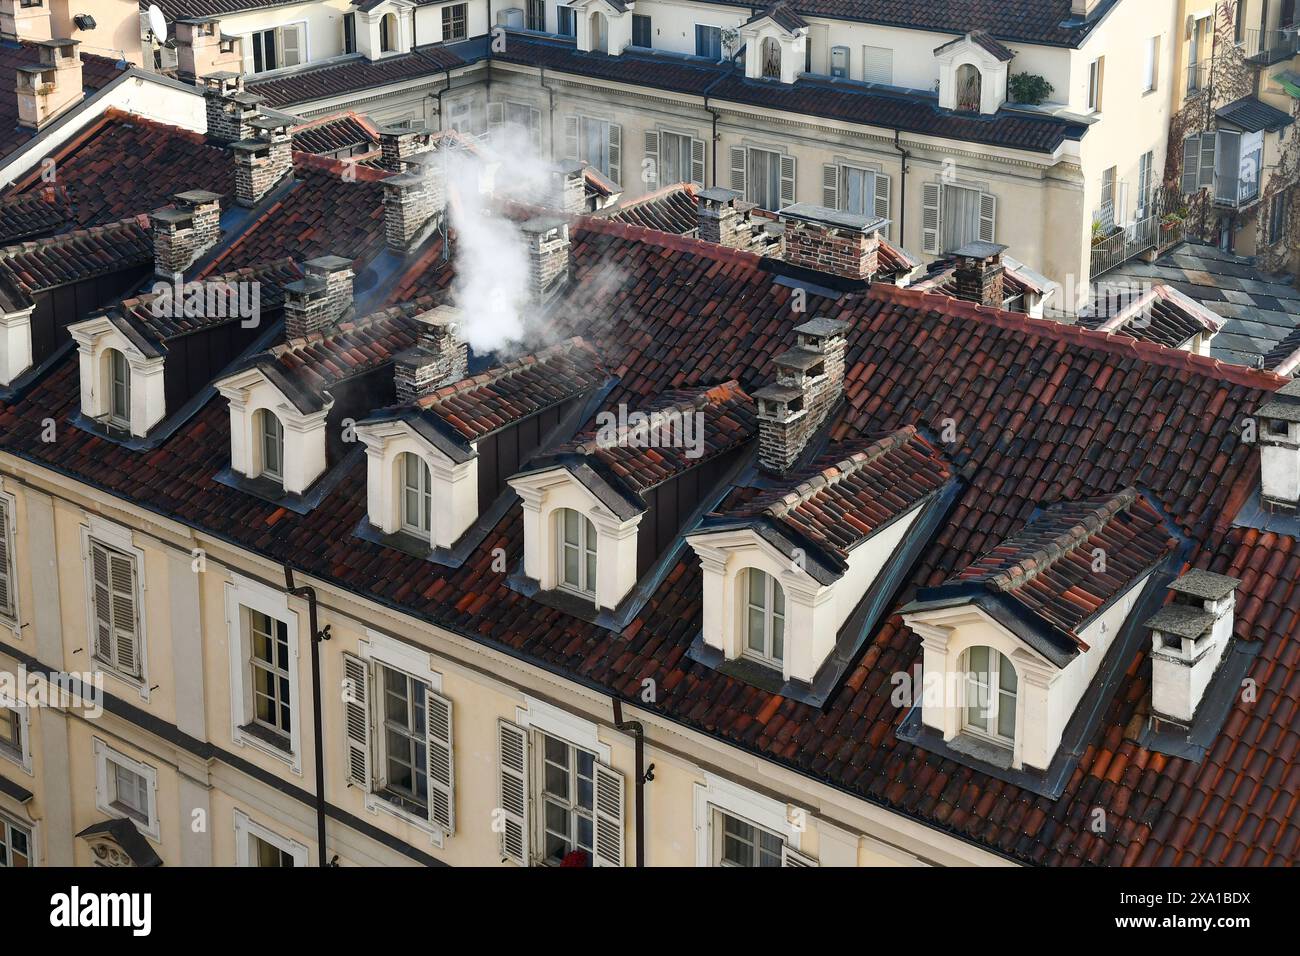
(1266, 47)
(1148, 232)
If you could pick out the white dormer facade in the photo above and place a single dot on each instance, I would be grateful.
(265, 426)
(120, 385)
(15, 343)
(546, 496)
(602, 26)
(970, 77)
(386, 29)
(772, 51)
(438, 498)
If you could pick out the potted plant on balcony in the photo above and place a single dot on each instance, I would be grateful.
(1028, 89)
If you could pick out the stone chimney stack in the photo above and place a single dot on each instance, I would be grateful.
(569, 188)
(320, 299)
(547, 238)
(399, 143)
(229, 109)
(184, 232)
(1188, 640)
(411, 200)
(50, 87)
(809, 381)
(979, 273)
(724, 219)
(1279, 450)
(262, 163)
(201, 50)
(833, 242)
(18, 21)
(439, 358)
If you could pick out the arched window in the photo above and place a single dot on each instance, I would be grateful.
(577, 557)
(763, 618)
(387, 33)
(417, 499)
(119, 388)
(599, 33)
(968, 87)
(270, 437)
(771, 58)
(990, 704)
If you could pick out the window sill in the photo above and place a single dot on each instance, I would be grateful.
(137, 683)
(269, 743)
(377, 803)
(148, 828)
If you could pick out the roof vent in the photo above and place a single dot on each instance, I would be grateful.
(1188, 638)
(1279, 450)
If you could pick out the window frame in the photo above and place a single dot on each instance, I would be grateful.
(105, 787)
(563, 13)
(118, 414)
(276, 637)
(261, 417)
(243, 597)
(642, 23)
(408, 801)
(1151, 77)
(718, 823)
(457, 16)
(248, 829)
(1096, 83)
(7, 827)
(535, 15)
(119, 543)
(19, 751)
(587, 547)
(994, 691)
(570, 803)
(422, 528)
(767, 655)
(716, 33)
(9, 610)
(349, 33)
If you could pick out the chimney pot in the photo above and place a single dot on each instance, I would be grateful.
(261, 163)
(980, 273)
(833, 242)
(230, 110)
(809, 382)
(1279, 450)
(184, 232)
(49, 88)
(1188, 640)
(320, 299)
(724, 218)
(569, 187)
(439, 358)
(548, 256)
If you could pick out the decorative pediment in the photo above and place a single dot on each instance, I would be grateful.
(118, 843)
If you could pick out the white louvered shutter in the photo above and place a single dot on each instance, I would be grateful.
(1191, 164)
(616, 153)
(513, 746)
(290, 46)
(988, 217)
(787, 181)
(7, 575)
(882, 197)
(652, 160)
(356, 719)
(570, 137)
(442, 799)
(102, 600)
(1208, 143)
(831, 186)
(738, 169)
(609, 817)
(931, 217)
(697, 161)
(791, 857)
(121, 571)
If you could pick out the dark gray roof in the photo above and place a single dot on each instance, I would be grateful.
(1181, 619)
(1253, 115)
(1205, 584)
(808, 212)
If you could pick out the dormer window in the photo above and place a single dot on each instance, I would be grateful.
(271, 432)
(576, 570)
(764, 619)
(973, 72)
(771, 64)
(118, 376)
(968, 88)
(121, 386)
(387, 33)
(990, 704)
(417, 495)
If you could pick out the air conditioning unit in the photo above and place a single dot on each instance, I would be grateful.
(511, 18)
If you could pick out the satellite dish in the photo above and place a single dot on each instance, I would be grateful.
(157, 22)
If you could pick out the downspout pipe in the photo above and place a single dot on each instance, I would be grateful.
(445, 89)
(550, 93)
(713, 144)
(317, 635)
(643, 776)
(902, 198)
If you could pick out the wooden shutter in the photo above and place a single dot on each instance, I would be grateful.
(1191, 164)
(616, 153)
(442, 801)
(513, 746)
(652, 160)
(882, 197)
(356, 719)
(102, 600)
(570, 137)
(931, 217)
(121, 571)
(988, 217)
(697, 161)
(738, 169)
(290, 46)
(787, 181)
(831, 186)
(609, 817)
(791, 857)
(6, 574)
(1208, 142)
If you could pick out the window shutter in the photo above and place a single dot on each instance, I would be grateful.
(6, 589)
(121, 569)
(830, 186)
(1191, 164)
(697, 161)
(356, 719)
(442, 802)
(738, 169)
(787, 181)
(988, 217)
(931, 217)
(570, 137)
(535, 125)
(616, 153)
(291, 46)
(496, 115)
(882, 197)
(652, 159)
(1208, 143)
(791, 857)
(513, 743)
(102, 600)
(609, 817)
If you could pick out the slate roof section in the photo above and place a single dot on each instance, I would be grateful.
(1162, 315)
(96, 73)
(40, 265)
(349, 76)
(334, 134)
(1253, 115)
(37, 213)
(127, 835)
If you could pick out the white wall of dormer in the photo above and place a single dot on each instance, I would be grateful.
(15, 343)
(94, 339)
(993, 75)
(792, 49)
(304, 435)
(619, 24)
(368, 29)
(453, 487)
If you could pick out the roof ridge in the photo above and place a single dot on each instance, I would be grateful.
(834, 474)
(667, 240)
(505, 370)
(63, 238)
(338, 328)
(1036, 562)
(704, 395)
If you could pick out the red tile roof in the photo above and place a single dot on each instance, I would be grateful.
(36, 213)
(39, 265)
(341, 131)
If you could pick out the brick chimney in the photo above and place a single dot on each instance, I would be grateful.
(230, 110)
(263, 161)
(724, 218)
(438, 359)
(547, 238)
(832, 242)
(1188, 638)
(809, 381)
(412, 200)
(184, 232)
(21, 22)
(320, 299)
(201, 50)
(51, 86)
(1279, 450)
(568, 188)
(399, 143)
(979, 273)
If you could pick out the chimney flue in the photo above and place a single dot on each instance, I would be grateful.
(809, 381)
(202, 50)
(548, 256)
(832, 242)
(50, 87)
(320, 299)
(439, 358)
(412, 200)
(980, 273)
(261, 163)
(724, 219)
(184, 232)
(569, 187)
(1279, 450)
(230, 110)
(399, 143)
(1188, 639)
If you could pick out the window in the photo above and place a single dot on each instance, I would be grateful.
(1239, 23)
(765, 177)
(764, 618)
(271, 442)
(969, 88)
(8, 562)
(388, 31)
(741, 843)
(955, 215)
(270, 661)
(878, 65)
(265, 854)
(349, 33)
(1151, 68)
(568, 800)
(1107, 214)
(1237, 162)
(1146, 183)
(275, 49)
(126, 788)
(114, 609)
(1277, 216)
(567, 24)
(862, 192)
(119, 389)
(454, 22)
(405, 779)
(537, 15)
(262, 640)
(577, 539)
(15, 844)
(1096, 71)
(770, 64)
(11, 733)
(597, 141)
(990, 704)
(599, 33)
(255, 845)
(642, 34)
(708, 42)
(130, 792)
(417, 498)
(677, 158)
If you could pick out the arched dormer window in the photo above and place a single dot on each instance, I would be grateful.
(764, 617)
(771, 58)
(576, 535)
(599, 33)
(990, 695)
(969, 84)
(270, 445)
(388, 33)
(417, 495)
(117, 376)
